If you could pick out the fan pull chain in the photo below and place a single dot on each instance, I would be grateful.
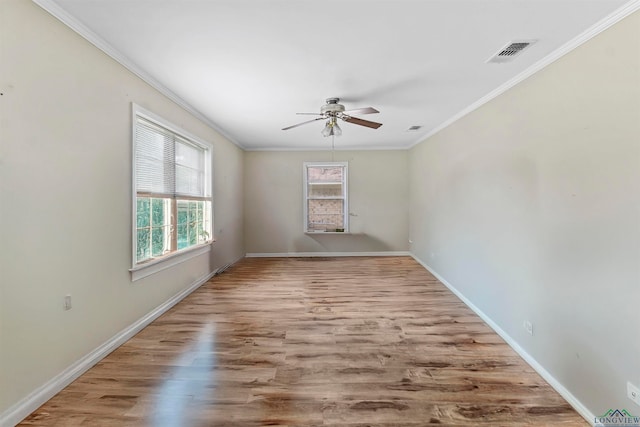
(333, 147)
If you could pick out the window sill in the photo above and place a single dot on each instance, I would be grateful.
(327, 232)
(148, 268)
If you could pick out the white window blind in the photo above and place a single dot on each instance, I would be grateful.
(190, 169)
(172, 185)
(167, 165)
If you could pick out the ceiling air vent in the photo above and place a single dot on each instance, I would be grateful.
(414, 128)
(510, 51)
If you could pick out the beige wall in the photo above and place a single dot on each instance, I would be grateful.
(65, 176)
(378, 202)
(530, 207)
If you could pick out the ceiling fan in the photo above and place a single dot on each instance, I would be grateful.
(332, 111)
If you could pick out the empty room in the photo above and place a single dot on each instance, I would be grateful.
(338, 213)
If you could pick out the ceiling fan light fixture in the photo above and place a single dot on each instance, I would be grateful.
(336, 129)
(331, 128)
(328, 129)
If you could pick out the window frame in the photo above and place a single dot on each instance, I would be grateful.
(344, 197)
(177, 256)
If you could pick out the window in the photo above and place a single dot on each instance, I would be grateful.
(172, 189)
(325, 197)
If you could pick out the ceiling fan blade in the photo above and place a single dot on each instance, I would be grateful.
(366, 110)
(303, 123)
(309, 114)
(361, 122)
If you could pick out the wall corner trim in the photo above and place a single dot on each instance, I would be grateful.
(70, 21)
(20, 410)
(546, 375)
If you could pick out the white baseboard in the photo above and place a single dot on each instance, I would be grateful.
(553, 382)
(324, 254)
(16, 413)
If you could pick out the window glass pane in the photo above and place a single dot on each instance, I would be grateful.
(325, 215)
(199, 212)
(183, 212)
(157, 211)
(183, 238)
(143, 245)
(157, 241)
(193, 211)
(193, 222)
(142, 212)
(324, 173)
(193, 233)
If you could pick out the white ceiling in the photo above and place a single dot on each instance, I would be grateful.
(249, 66)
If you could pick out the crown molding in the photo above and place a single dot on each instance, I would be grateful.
(605, 23)
(70, 21)
(329, 149)
(55, 10)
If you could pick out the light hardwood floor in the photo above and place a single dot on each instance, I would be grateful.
(313, 342)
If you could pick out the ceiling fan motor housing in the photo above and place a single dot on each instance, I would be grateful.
(332, 108)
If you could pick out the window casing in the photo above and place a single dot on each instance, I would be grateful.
(172, 181)
(326, 197)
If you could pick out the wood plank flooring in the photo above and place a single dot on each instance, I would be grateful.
(313, 342)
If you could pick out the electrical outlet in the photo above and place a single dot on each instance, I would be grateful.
(528, 326)
(67, 302)
(633, 393)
